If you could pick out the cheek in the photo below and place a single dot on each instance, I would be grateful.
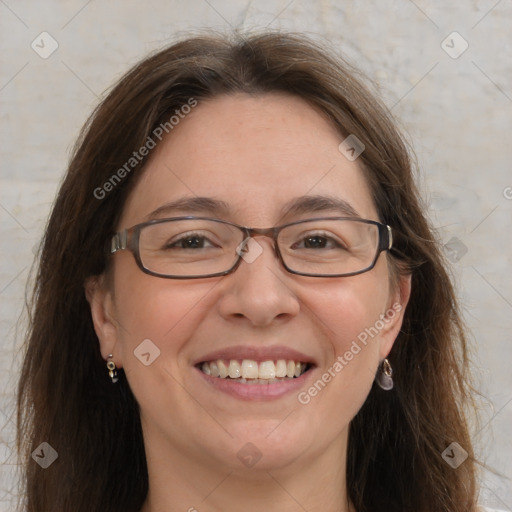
(158, 319)
(166, 312)
(349, 308)
(348, 314)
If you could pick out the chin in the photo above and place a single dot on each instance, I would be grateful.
(265, 445)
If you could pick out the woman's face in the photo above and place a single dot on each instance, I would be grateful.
(255, 155)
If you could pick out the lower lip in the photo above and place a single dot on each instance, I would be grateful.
(256, 391)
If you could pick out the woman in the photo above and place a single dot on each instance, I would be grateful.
(240, 302)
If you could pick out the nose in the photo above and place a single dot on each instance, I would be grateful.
(260, 290)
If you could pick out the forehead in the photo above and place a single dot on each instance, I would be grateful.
(255, 154)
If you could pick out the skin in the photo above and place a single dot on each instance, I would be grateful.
(255, 153)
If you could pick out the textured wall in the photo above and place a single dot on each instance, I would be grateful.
(453, 98)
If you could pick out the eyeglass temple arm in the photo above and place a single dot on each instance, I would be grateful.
(119, 241)
(389, 239)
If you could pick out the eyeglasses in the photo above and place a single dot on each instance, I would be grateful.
(199, 247)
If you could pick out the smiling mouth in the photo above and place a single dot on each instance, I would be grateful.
(248, 371)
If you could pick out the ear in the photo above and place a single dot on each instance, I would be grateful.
(102, 311)
(394, 314)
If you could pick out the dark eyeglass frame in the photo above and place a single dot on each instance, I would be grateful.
(129, 239)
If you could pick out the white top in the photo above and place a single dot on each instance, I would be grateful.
(487, 509)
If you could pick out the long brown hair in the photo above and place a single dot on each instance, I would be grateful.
(65, 396)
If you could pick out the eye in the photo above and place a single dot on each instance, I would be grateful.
(318, 241)
(189, 241)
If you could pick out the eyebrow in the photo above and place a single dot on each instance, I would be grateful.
(298, 206)
(317, 203)
(191, 205)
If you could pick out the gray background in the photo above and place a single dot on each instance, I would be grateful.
(456, 111)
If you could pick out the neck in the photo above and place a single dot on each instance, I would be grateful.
(314, 483)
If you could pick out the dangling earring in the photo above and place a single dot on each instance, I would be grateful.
(384, 377)
(112, 370)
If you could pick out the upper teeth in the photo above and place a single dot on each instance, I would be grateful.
(249, 369)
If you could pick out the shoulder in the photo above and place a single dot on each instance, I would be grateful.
(487, 509)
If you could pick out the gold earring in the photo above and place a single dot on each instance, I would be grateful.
(384, 377)
(112, 370)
